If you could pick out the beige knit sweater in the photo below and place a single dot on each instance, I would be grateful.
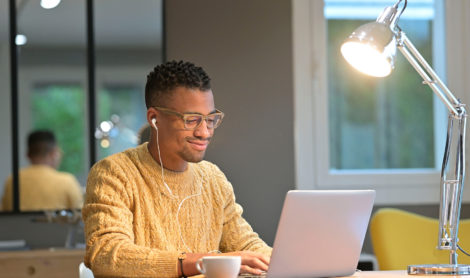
(131, 224)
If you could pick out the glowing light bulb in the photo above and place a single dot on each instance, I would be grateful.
(366, 59)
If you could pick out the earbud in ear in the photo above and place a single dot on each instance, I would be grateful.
(154, 123)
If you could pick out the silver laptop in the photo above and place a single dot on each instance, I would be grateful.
(320, 233)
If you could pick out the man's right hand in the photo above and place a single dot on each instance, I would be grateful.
(252, 262)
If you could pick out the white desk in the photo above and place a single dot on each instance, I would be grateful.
(386, 274)
(398, 274)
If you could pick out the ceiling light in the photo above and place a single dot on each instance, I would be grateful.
(49, 4)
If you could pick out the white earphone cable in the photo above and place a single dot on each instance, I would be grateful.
(174, 196)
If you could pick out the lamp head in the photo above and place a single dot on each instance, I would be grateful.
(371, 48)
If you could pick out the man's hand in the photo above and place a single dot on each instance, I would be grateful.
(252, 262)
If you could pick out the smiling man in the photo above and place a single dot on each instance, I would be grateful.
(154, 210)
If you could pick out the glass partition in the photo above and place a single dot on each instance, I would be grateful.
(53, 90)
(126, 51)
(5, 102)
(52, 96)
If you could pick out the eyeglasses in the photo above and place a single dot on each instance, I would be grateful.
(193, 121)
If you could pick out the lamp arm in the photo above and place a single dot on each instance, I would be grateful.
(452, 179)
(452, 183)
(428, 74)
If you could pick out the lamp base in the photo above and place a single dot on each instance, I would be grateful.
(439, 269)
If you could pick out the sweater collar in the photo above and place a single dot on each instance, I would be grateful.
(174, 179)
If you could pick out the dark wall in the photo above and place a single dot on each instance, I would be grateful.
(246, 48)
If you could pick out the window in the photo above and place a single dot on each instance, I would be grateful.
(51, 82)
(378, 123)
(353, 131)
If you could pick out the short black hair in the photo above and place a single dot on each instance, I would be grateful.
(170, 75)
(41, 143)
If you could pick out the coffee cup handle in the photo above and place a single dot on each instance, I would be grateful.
(200, 267)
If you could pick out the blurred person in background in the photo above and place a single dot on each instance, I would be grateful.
(144, 134)
(42, 186)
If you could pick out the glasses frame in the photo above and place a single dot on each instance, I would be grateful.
(184, 116)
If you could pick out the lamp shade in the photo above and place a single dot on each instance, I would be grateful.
(371, 49)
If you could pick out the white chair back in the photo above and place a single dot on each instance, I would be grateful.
(85, 272)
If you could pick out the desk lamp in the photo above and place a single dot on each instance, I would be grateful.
(371, 49)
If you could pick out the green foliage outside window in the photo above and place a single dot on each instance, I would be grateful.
(379, 123)
(60, 108)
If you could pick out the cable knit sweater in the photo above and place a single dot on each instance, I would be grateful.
(131, 223)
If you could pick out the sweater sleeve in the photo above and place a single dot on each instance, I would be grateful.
(237, 233)
(107, 214)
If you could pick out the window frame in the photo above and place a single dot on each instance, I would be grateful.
(401, 186)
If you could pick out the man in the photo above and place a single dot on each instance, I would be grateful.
(154, 210)
(42, 187)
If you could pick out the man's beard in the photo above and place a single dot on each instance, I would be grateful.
(192, 156)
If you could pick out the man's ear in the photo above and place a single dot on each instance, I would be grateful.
(152, 116)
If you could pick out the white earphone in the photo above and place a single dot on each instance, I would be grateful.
(154, 123)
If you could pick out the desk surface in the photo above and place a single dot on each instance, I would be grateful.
(398, 274)
(50, 263)
(387, 274)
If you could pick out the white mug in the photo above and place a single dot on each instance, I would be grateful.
(219, 266)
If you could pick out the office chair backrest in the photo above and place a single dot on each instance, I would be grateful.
(401, 238)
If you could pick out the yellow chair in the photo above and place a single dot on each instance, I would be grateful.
(401, 238)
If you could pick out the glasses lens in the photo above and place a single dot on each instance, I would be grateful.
(214, 120)
(191, 122)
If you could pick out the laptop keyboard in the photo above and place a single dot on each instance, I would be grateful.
(249, 275)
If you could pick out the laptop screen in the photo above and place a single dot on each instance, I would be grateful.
(320, 233)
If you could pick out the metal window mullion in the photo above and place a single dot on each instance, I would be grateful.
(14, 105)
(91, 81)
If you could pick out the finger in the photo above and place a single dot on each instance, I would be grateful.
(255, 262)
(265, 259)
(248, 269)
(253, 259)
(260, 264)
